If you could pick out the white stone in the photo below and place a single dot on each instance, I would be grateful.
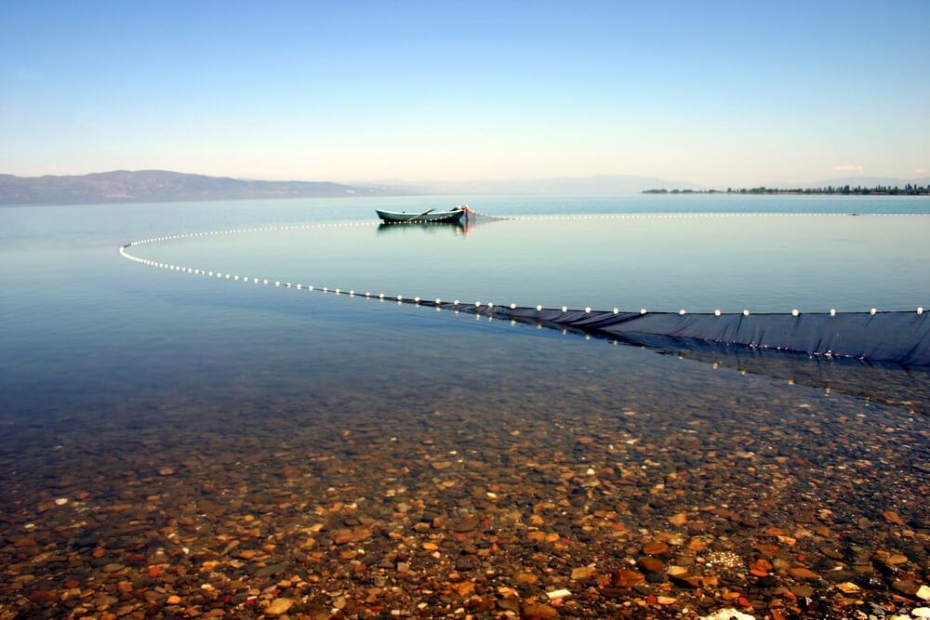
(921, 612)
(558, 594)
(728, 614)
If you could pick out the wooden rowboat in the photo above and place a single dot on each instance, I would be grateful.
(394, 217)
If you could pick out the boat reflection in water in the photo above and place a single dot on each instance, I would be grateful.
(430, 228)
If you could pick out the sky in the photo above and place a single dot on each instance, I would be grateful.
(713, 93)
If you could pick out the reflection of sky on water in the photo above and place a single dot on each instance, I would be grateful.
(772, 263)
(85, 332)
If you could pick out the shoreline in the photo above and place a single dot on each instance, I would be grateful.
(763, 191)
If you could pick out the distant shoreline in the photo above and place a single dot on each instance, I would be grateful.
(845, 190)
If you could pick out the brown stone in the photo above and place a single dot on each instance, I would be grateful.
(464, 588)
(538, 612)
(40, 596)
(626, 578)
(905, 586)
(802, 591)
(354, 535)
(651, 565)
(687, 580)
(696, 544)
(654, 548)
(584, 573)
(889, 559)
(467, 524)
(848, 587)
(803, 574)
(279, 607)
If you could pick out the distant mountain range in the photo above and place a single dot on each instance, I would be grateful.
(161, 186)
(166, 186)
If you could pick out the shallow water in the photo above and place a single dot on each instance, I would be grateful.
(343, 448)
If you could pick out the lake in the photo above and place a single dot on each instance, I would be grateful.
(207, 440)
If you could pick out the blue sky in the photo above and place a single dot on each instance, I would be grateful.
(716, 93)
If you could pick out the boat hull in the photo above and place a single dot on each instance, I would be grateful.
(393, 217)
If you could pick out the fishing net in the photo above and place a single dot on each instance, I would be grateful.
(896, 337)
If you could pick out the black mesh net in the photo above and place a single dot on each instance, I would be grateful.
(897, 337)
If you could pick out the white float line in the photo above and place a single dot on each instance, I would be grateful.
(695, 215)
(490, 306)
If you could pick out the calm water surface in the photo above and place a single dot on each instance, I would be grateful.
(699, 263)
(177, 415)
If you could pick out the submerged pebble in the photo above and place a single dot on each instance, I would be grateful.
(739, 504)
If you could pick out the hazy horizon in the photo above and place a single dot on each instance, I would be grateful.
(727, 95)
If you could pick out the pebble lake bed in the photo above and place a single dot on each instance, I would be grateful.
(174, 447)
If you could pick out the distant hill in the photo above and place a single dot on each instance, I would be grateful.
(166, 186)
(163, 186)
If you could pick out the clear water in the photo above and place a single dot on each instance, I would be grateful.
(212, 410)
(73, 315)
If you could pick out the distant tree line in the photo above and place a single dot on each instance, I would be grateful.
(843, 190)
